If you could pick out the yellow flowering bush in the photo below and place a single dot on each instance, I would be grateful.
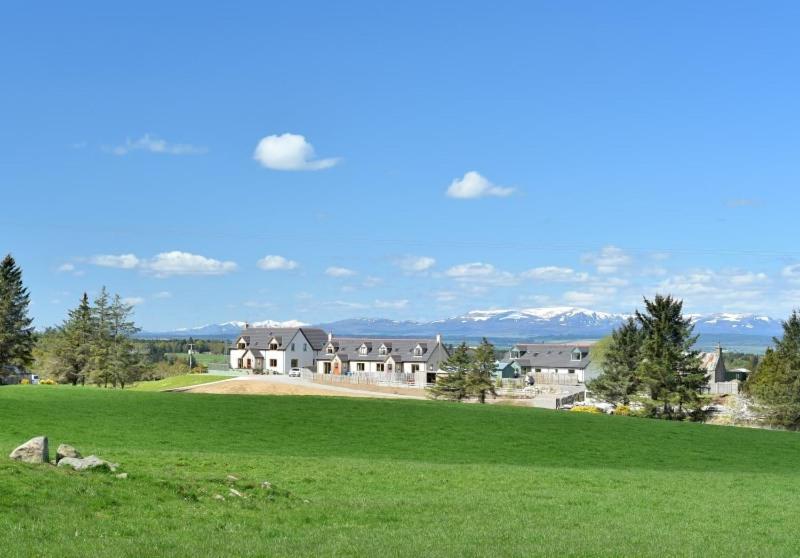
(586, 409)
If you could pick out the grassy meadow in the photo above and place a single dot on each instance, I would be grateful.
(361, 477)
(173, 382)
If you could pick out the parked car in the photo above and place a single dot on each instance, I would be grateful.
(295, 372)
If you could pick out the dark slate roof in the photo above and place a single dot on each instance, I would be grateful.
(259, 337)
(551, 355)
(398, 349)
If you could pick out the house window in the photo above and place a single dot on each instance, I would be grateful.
(362, 350)
(241, 345)
(292, 346)
(417, 351)
(380, 367)
(248, 363)
(240, 363)
(576, 355)
(273, 346)
(273, 363)
(305, 347)
(514, 354)
(330, 349)
(389, 367)
(414, 368)
(295, 363)
(359, 366)
(538, 369)
(571, 370)
(382, 350)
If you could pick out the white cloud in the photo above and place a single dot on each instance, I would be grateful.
(791, 272)
(748, 278)
(66, 268)
(162, 295)
(289, 152)
(339, 272)
(257, 304)
(123, 261)
(154, 144)
(133, 300)
(608, 260)
(275, 263)
(371, 281)
(479, 272)
(473, 185)
(415, 264)
(555, 274)
(446, 296)
(184, 263)
(582, 298)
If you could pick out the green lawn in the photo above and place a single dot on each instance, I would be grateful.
(387, 478)
(202, 358)
(177, 382)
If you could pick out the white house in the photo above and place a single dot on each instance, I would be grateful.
(348, 355)
(277, 350)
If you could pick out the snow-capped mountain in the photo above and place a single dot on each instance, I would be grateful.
(551, 322)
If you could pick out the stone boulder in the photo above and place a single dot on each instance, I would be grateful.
(65, 450)
(34, 450)
(87, 463)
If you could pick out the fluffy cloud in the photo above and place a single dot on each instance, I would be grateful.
(748, 278)
(154, 144)
(167, 264)
(133, 300)
(479, 272)
(339, 272)
(791, 272)
(66, 268)
(391, 304)
(162, 295)
(415, 264)
(289, 152)
(124, 261)
(608, 260)
(473, 185)
(555, 274)
(184, 263)
(276, 263)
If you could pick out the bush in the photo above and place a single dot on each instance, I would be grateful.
(25, 381)
(586, 409)
(47, 382)
(622, 410)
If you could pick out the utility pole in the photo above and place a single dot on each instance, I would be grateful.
(191, 351)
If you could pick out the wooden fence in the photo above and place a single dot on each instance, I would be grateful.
(393, 379)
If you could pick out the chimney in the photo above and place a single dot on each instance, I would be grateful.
(330, 336)
(246, 325)
(438, 338)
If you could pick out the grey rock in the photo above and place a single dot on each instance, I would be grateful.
(87, 463)
(65, 450)
(122, 476)
(34, 450)
(234, 492)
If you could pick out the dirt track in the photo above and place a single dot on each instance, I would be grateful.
(281, 385)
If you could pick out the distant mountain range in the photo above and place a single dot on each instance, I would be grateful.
(529, 323)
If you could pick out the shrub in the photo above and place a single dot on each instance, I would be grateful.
(25, 381)
(622, 410)
(586, 409)
(47, 382)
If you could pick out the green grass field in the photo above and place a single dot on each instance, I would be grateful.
(173, 382)
(202, 358)
(386, 478)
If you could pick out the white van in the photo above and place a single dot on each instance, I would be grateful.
(34, 378)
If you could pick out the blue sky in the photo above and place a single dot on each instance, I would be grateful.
(317, 161)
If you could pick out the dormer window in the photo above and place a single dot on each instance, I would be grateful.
(273, 346)
(577, 354)
(515, 353)
(382, 350)
(329, 350)
(418, 350)
(362, 350)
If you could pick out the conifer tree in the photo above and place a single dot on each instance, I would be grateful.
(76, 342)
(669, 364)
(775, 384)
(480, 378)
(453, 385)
(124, 362)
(16, 329)
(619, 380)
(101, 344)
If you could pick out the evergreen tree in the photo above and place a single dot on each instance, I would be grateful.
(76, 342)
(669, 364)
(480, 378)
(453, 385)
(16, 330)
(102, 342)
(775, 384)
(619, 380)
(124, 361)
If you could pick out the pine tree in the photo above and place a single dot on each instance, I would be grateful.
(775, 384)
(75, 343)
(16, 330)
(101, 343)
(480, 378)
(670, 366)
(124, 362)
(619, 380)
(453, 385)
